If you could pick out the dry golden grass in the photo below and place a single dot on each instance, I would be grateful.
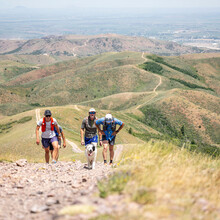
(175, 183)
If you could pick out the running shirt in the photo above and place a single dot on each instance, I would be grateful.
(48, 133)
(90, 128)
(109, 131)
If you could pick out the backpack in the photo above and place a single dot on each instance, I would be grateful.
(43, 126)
(113, 124)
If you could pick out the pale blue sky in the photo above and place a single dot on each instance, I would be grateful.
(111, 3)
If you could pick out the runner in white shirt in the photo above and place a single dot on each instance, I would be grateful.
(48, 136)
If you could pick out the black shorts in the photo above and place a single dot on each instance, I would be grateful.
(111, 142)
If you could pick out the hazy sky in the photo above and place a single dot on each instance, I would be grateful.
(111, 3)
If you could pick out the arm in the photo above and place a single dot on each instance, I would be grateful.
(64, 139)
(116, 132)
(101, 132)
(82, 136)
(58, 131)
(37, 135)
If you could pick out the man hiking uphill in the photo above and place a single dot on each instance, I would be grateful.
(47, 125)
(109, 134)
(88, 124)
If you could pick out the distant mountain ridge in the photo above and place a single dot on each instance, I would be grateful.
(80, 46)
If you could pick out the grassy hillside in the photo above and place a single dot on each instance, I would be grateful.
(171, 89)
(164, 182)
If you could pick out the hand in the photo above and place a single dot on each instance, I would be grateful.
(100, 143)
(102, 132)
(114, 133)
(64, 145)
(59, 137)
(37, 141)
(82, 143)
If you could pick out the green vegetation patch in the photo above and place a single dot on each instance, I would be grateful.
(152, 67)
(157, 120)
(114, 184)
(207, 149)
(7, 126)
(162, 61)
(25, 119)
(191, 85)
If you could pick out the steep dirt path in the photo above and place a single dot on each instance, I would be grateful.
(40, 191)
(154, 90)
(73, 145)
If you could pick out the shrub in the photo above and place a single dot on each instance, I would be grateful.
(191, 85)
(152, 67)
(161, 60)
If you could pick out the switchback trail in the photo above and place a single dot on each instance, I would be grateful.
(154, 90)
(75, 148)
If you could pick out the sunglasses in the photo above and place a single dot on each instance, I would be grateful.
(91, 113)
(48, 116)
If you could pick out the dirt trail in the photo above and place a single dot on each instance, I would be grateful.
(154, 90)
(40, 191)
(75, 149)
(118, 152)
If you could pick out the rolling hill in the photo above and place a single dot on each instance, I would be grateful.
(166, 93)
(80, 46)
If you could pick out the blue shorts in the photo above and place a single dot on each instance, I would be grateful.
(47, 141)
(111, 142)
(90, 140)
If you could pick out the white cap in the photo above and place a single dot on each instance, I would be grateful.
(92, 110)
(108, 118)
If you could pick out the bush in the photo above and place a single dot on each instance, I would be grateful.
(161, 60)
(152, 67)
(191, 85)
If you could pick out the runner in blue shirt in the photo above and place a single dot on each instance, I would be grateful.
(108, 134)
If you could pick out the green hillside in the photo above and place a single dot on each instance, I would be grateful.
(164, 93)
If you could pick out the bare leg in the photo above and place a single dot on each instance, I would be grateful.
(59, 146)
(47, 154)
(104, 152)
(111, 151)
(55, 150)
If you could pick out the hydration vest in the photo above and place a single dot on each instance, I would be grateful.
(113, 125)
(43, 126)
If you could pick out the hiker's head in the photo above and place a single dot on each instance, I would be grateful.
(47, 115)
(108, 118)
(92, 113)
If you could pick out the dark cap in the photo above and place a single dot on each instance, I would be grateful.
(47, 112)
